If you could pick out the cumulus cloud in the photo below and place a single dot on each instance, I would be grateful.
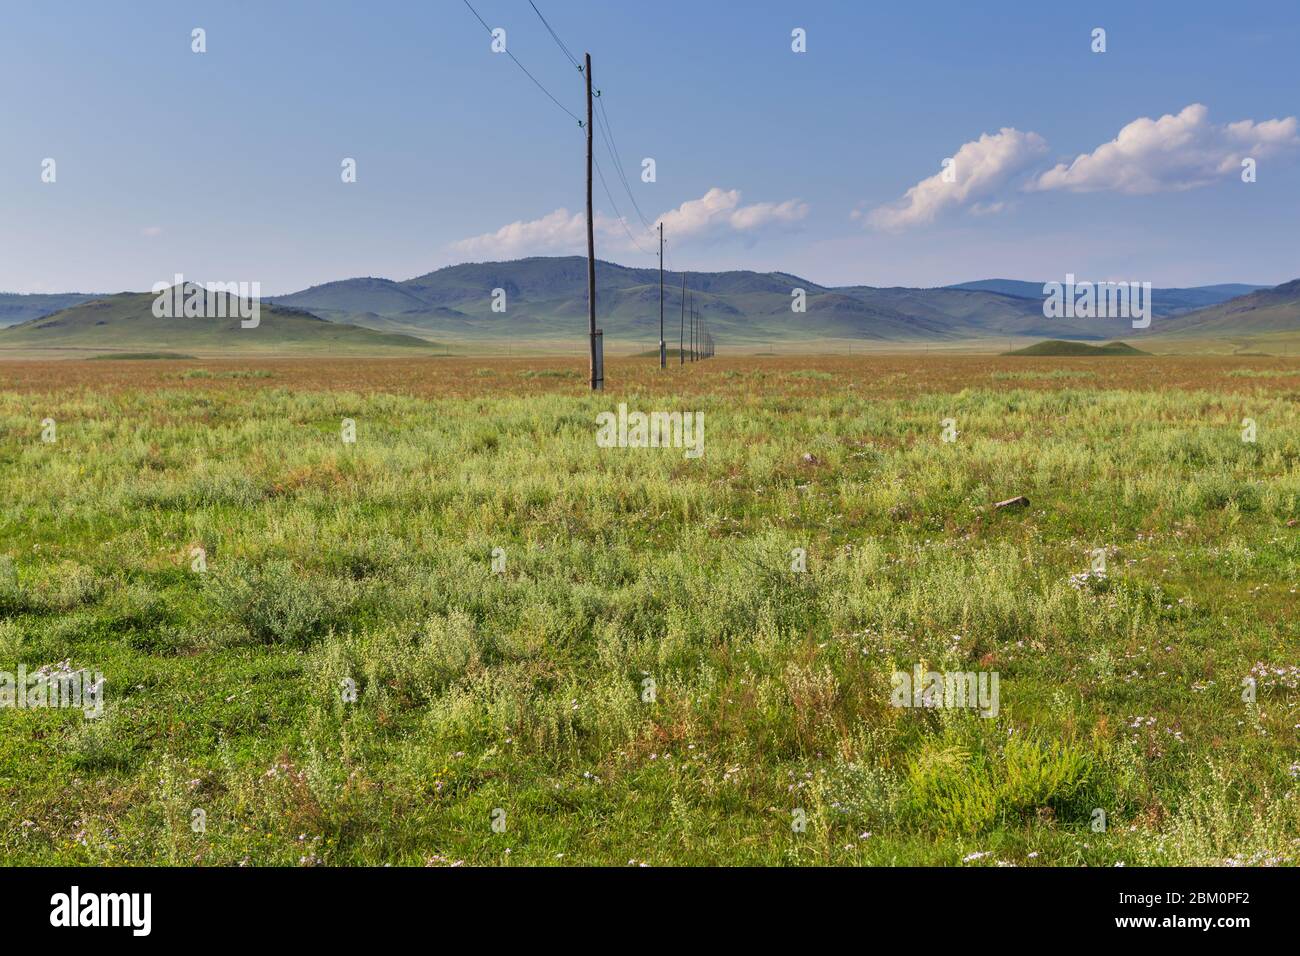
(981, 169)
(720, 211)
(557, 232)
(715, 214)
(1171, 153)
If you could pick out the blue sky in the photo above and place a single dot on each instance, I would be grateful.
(226, 165)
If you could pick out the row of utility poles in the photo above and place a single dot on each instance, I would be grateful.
(701, 341)
(701, 344)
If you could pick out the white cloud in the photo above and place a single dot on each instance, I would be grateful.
(720, 211)
(557, 232)
(717, 213)
(1169, 154)
(982, 169)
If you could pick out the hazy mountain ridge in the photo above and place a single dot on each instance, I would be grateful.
(1165, 302)
(1266, 310)
(545, 298)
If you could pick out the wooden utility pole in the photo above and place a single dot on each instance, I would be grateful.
(681, 335)
(663, 353)
(695, 332)
(597, 376)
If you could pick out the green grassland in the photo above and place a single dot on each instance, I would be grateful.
(524, 690)
(1283, 343)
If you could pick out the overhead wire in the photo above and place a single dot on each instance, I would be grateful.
(606, 133)
(510, 54)
(621, 219)
(555, 36)
(607, 128)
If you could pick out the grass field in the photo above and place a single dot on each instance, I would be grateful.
(523, 696)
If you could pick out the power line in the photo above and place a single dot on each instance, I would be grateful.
(555, 36)
(607, 129)
(614, 160)
(621, 219)
(606, 133)
(604, 116)
(522, 67)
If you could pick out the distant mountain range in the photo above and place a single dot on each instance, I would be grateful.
(1266, 310)
(545, 299)
(1166, 302)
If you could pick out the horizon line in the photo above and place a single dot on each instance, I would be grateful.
(678, 272)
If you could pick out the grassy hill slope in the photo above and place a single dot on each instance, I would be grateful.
(127, 322)
(1263, 311)
(545, 302)
(547, 298)
(1060, 347)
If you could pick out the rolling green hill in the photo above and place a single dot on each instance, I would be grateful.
(547, 298)
(546, 302)
(126, 322)
(1060, 347)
